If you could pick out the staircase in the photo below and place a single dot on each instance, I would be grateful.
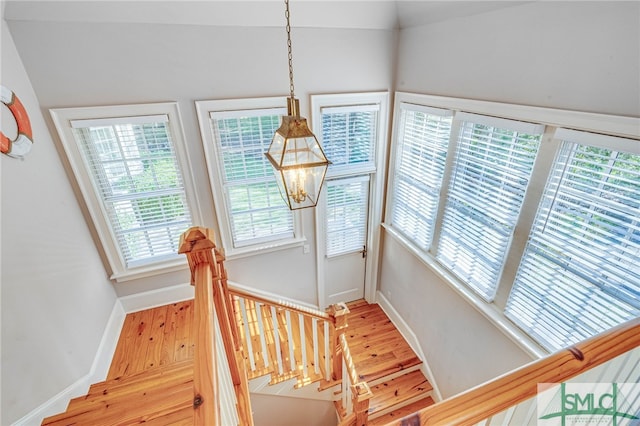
(158, 396)
(151, 377)
(386, 361)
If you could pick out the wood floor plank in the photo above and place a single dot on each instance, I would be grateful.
(184, 340)
(167, 348)
(123, 357)
(156, 338)
(377, 347)
(399, 390)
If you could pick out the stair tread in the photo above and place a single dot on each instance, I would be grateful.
(398, 392)
(155, 376)
(377, 347)
(134, 401)
(402, 412)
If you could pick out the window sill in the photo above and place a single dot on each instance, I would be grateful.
(152, 269)
(488, 310)
(267, 247)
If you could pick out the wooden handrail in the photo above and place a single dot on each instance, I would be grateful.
(197, 246)
(360, 391)
(348, 360)
(513, 388)
(281, 303)
(209, 278)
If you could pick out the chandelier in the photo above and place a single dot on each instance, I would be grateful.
(295, 153)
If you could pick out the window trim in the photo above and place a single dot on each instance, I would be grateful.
(553, 119)
(62, 118)
(204, 109)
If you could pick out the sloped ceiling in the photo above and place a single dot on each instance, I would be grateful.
(362, 14)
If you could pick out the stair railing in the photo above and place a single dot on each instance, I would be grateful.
(302, 343)
(289, 341)
(208, 276)
(520, 386)
(354, 404)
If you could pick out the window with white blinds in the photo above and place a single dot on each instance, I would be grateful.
(580, 272)
(421, 151)
(492, 167)
(346, 215)
(349, 134)
(134, 170)
(254, 206)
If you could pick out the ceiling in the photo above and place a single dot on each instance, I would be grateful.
(361, 14)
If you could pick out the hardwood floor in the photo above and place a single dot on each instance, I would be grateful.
(377, 347)
(162, 335)
(154, 337)
(151, 376)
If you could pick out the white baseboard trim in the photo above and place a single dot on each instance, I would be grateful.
(411, 338)
(106, 348)
(158, 297)
(97, 373)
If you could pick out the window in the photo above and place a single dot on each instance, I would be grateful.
(491, 170)
(535, 224)
(128, 162)
(349, 135)
(580, 272)
(251, 210)
(347, 207)
(421, 151)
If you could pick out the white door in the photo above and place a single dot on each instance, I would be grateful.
(353, 130)
(346, 217)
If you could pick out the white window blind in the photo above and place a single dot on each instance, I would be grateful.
(349, 134)
(493, 163)
(347, 203)
(580, 273)
(421, 151)
(256, 210)
(134, 170)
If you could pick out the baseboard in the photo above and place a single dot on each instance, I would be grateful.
(106, 348)
(158, 297)
(97, 373)
(411, 338)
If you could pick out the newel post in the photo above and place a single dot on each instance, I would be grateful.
(339, 313)
(198, 245)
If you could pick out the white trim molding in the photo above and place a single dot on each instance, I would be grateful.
(411, 339)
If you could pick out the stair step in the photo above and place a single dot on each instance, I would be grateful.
(154, 374)
(398, 414)
(377, 347)
(398, 392)
(162, 395)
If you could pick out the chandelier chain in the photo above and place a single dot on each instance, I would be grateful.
(286, 14)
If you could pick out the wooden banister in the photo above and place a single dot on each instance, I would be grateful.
(495, 396)
(212, 301)
(360, 391)
(198, 246)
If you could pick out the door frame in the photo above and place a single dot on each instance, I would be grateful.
(377, 173)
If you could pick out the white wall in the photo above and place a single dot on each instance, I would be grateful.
(274, 410)
(79, 64)
(576, 55)
(569, 55)
(56, 296)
